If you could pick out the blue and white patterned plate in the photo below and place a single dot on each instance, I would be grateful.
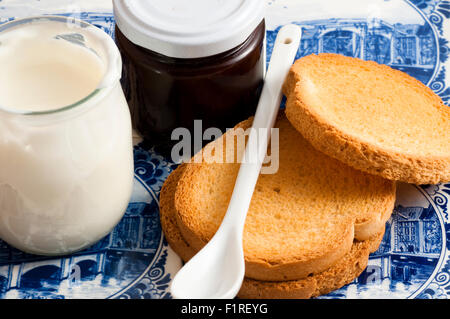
(134, 260)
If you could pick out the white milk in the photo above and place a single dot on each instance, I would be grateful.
(65, 176)
(41, 72)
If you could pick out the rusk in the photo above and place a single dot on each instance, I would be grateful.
(301, 221)
(371, 117)
(341, 273)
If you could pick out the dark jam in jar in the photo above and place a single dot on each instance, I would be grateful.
(165, 93)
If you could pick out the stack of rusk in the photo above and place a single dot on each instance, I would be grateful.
(350, 131)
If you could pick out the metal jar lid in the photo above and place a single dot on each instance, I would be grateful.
(188, 29)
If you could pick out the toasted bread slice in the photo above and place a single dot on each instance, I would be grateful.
(301, 220)
(371, 117)
(341, 273)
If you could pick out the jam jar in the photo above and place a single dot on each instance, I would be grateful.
(190, 60)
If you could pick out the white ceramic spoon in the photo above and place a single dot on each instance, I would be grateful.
(217, 271)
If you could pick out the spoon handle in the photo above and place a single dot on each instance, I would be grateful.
(283, 54)
(223, 256)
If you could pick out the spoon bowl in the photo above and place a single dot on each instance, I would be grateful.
(222, 258)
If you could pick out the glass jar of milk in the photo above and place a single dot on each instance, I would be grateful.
(66, 158)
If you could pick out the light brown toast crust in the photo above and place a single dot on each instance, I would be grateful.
(167, 214)
(293, 264)
(340, 274)
(361, 154)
